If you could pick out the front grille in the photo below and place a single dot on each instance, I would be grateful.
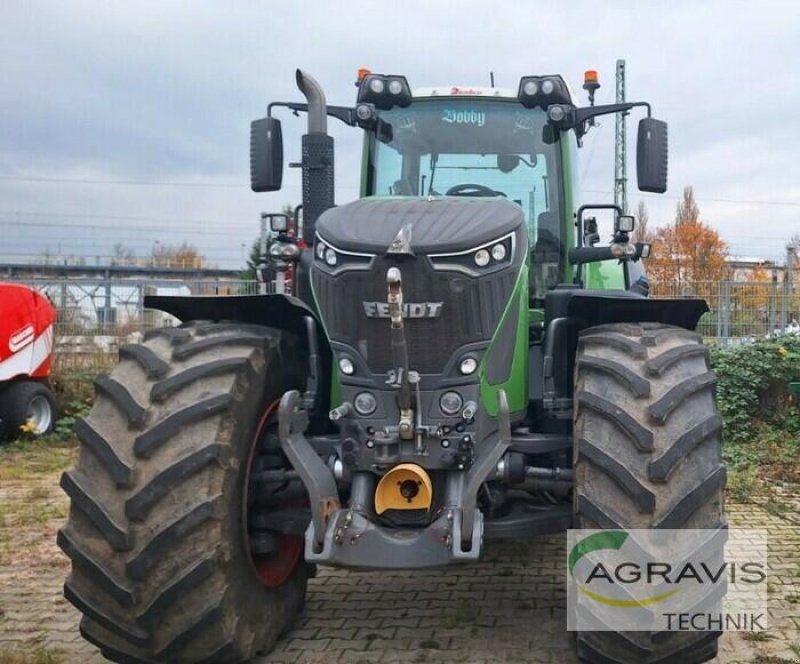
(470, 312)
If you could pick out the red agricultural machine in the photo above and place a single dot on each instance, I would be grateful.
(27, 404)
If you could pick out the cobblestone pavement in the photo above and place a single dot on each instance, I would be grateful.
(508, 608)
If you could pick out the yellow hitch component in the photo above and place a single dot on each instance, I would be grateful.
(404, 487)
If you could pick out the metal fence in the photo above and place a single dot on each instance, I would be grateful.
(742, 311)
(96, 314)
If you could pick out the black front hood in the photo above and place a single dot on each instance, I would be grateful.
(439, 225)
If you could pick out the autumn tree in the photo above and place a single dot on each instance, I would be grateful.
(750, 300)
(183, 256)
(688, 254)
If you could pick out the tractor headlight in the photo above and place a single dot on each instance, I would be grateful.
(482, 258)
(346, 366)
(499, 252)
(331, 257)
(489, 256)
(468, 366)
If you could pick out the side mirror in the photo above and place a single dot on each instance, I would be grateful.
(266, 155)
(652, 155)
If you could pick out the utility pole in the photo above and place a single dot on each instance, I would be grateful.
(620, 151)
(791, 256)
(262, 254)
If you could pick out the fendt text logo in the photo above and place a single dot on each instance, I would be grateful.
(667, 580)
(410, 309)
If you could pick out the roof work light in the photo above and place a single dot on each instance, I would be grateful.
(542, 91)
(384, 91)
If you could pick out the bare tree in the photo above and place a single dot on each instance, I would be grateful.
(687, 210)
(182, 255)
(122, 255)
(642, 232)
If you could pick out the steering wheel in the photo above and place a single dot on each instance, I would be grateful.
(472, 190)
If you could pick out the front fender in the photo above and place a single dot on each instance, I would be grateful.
(283, 312)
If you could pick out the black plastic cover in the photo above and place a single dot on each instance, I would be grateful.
(266, 155)
(439, 225)
(652, 155)
(273, 310)
(597, 307)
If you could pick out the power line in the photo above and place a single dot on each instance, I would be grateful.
(111, 217)
(143, 183)
(702, 199)
(236, 185)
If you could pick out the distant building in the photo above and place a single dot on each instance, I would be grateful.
(743, 268)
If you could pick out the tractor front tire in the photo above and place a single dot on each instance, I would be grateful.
(157, 531)
(647, 455)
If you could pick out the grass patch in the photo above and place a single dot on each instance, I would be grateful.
(773, 659)
(23, 459)
(757, 637)
(773, 455)
(777, 508)
(36, 656)
(743, 483)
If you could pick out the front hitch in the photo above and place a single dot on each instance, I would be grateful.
(315, 473)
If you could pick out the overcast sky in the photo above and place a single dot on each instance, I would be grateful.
(129, 121)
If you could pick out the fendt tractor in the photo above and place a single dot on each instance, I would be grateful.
(461, 358)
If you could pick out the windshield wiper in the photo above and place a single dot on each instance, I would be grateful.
(434, 161)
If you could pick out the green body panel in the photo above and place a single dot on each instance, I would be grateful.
(605, 275)
(516, 387)
(569, 165)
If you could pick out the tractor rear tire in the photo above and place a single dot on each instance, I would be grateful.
(647, 455)
(27, 402)
(157, 531)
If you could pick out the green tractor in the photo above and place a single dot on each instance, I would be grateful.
(459, 359)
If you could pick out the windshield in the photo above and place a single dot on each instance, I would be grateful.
(471, 147)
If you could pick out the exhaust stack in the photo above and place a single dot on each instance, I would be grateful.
(317, 157)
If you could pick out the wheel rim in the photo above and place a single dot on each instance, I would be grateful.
(275, 568)
(40, 413)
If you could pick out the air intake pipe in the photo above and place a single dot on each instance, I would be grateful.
(317, 157)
